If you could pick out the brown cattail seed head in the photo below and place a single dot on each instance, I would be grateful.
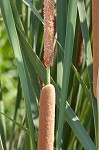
(48, 32)
(79, 49)
(46, 118)
(95, 24)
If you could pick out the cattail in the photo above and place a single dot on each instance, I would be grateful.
(48, 32)
(46, 118)
(95, 23)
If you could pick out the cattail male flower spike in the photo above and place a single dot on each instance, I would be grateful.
(48, 32)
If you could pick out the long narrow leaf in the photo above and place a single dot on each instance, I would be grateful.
(29, 4)
(1, 145)
(78, 130)
(88, 94)
(18, 100)
(61, 33)
(18, 124)
(2, 121)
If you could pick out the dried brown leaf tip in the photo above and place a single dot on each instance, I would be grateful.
(48, 32)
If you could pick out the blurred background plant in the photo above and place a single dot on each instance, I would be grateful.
(19, 98)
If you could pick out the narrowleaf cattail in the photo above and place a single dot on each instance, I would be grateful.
(48, 32)
(46, 118)
(95, 23)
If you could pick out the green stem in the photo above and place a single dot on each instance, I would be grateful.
(48, 75)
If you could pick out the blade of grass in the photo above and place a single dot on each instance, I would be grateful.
(10, 26)
(35, 26)
(1, 145)
(80, 132)
(88, 11)
(18, 100)
(2, 122)
(70, 33)
(85, 88)
(34, 10)
(16, 123)
(27, 21)
(33, 77)
(16, 15)
(34, 103)
(19, 6)
(61, 32)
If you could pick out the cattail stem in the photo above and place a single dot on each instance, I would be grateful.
(48, 75)
(46, 118)
(95, 23)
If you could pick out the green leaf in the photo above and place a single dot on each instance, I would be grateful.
(2, 126)
(17, 105)
(16, 123)
(1, 145)
(85, 88)
(2, 122)
(34, 10)
(78, 130)
(61, 33)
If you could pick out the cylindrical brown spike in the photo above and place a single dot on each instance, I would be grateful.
(79, 49)
(48, 32)
(46, 118)
(95, 24)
